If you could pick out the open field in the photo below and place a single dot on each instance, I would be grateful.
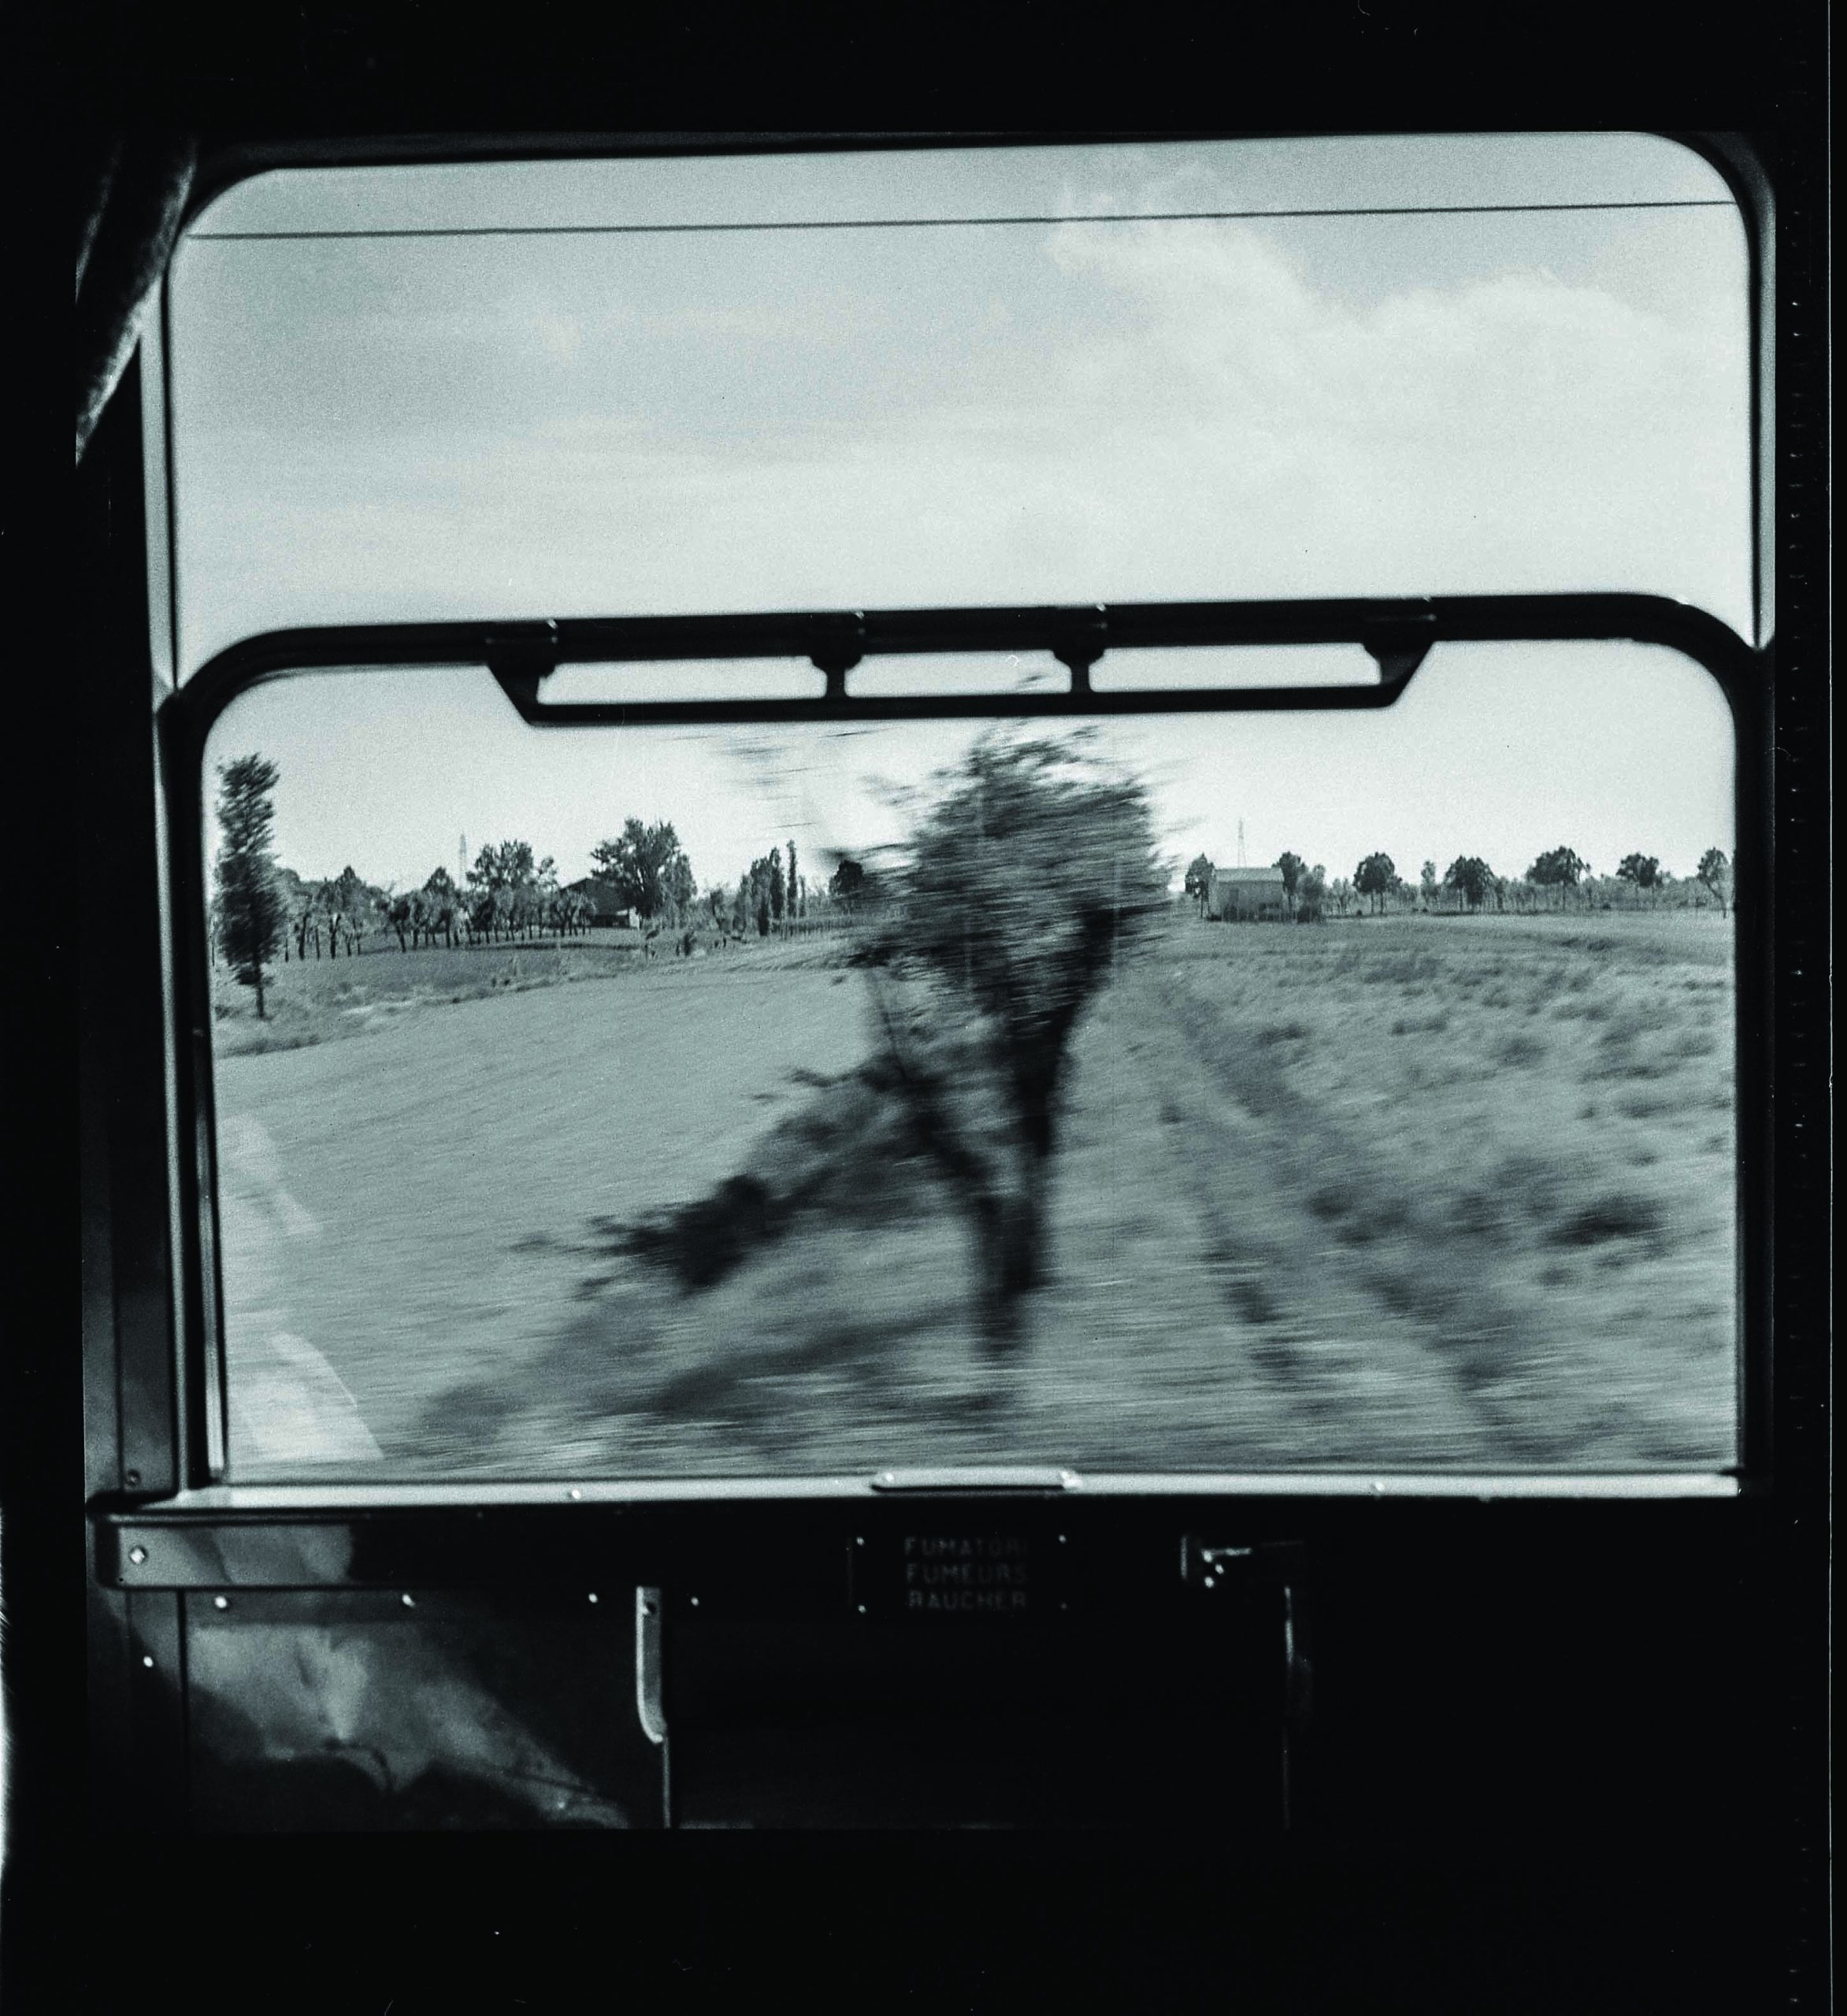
(1409, 1192)
(325, 1000)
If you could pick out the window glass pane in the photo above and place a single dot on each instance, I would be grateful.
(714, 679)
(1278, 665)
(970, 672)
(1404, 1136)
(1455, 364)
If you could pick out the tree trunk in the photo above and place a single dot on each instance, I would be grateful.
(261, 1016)
(1010, 1230)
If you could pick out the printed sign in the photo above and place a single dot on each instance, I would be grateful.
(946, 1572)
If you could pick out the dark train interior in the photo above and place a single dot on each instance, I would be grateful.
(520, 1728)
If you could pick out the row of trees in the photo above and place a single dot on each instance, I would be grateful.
(262, 912)
(507, 894)
(1559, 876)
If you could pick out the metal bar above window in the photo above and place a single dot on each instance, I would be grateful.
(1397, 634)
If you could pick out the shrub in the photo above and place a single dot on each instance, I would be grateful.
(1617, 1214)
(1642, 1104)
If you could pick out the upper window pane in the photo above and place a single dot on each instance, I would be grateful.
(1464, 363)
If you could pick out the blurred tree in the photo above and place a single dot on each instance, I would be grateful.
(545, 895)
(1715, 871)
(794, 886)
(847, 885)
(297, 899)
(647, 865)
(1471, 878)
(1558, 869)
(1342, 890)
(346, 904)
(250, 905)
(1198, 880)
(1374, 876)
(442, 904)
(677, 886)
(1640, 871)
(1034, 868)
(1427, 880)
(777, 892)
(1292, 865)
(1311, 895)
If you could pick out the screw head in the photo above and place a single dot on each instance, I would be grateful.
(220, 1603)
(694, 1601)
(147, 1658)
(593, 1595)
(575, 1493)
(409, 1601)
(862, 1609)
(137, 1555)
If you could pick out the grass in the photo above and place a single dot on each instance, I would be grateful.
(325, 1000)
(1325, 1197)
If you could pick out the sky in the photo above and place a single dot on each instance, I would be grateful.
(638, 412)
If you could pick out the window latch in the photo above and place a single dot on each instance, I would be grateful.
(839, 644)
(1082, 638)
(519, 657)
(1400, 643)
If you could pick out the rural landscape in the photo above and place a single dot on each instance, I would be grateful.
(1025, 1141)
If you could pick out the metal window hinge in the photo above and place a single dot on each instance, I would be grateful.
(1257, 1563)
(649, 1707)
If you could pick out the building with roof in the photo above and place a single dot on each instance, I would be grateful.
(606, 907)
(1247, 896)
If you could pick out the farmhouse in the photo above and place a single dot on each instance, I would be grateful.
(1243, 895)
(606, 905)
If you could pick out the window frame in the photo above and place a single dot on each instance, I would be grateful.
(1396, 632)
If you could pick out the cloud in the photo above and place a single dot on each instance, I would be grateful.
(562, 336)
(1215, 421)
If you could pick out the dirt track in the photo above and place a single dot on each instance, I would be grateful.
(430, 1164)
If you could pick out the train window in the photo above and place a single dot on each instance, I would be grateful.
(829, 1081)
(1200, 1092)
